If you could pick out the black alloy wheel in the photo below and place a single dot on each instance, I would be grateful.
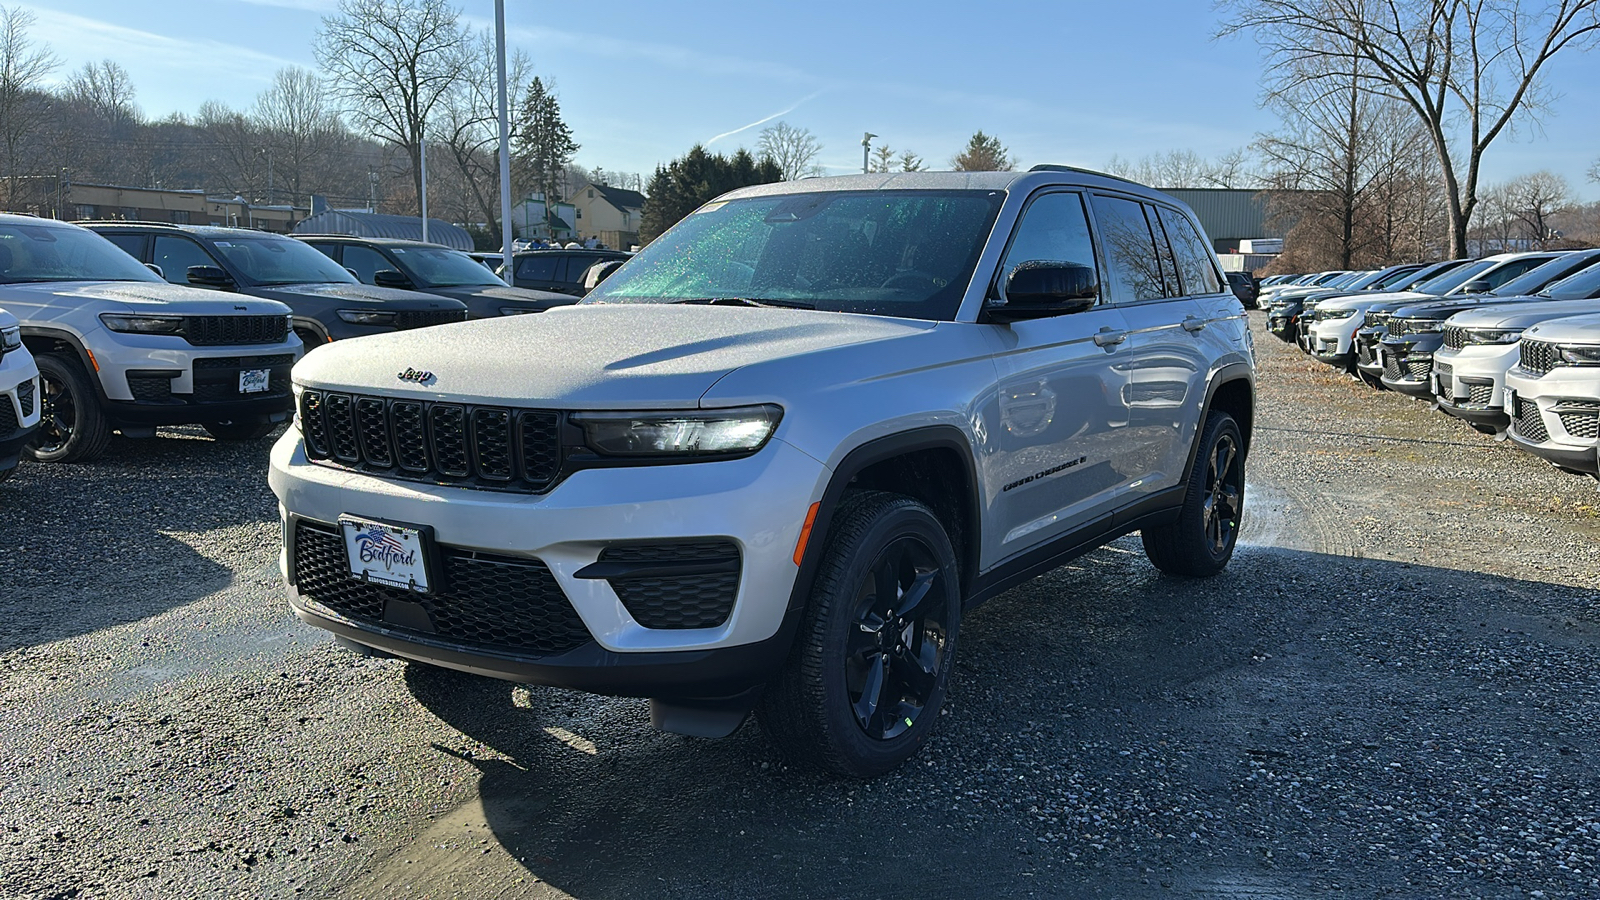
(71, 427)
(1201, 541)
(865, 680)
(895, 653)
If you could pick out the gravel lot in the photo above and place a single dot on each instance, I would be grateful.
(1393, 691)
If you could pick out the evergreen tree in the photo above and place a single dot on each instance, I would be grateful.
(683, 185)
(543, 143)
(983, 154)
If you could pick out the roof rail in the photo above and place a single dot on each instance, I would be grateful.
(126, 222)
(1048, 167)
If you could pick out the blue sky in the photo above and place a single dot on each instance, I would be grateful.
(1066, 82)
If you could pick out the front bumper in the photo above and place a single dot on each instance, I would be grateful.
(758, 503)
(20, 405)
(1407, 364)
(1469, 383)
(1556, 416)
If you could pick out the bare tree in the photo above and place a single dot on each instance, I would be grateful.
(795, 150)
(23, 67)
(983, 154)
(468, 125)
(392, 62)
(106, 89)
(1466, 68)
(1594, 171)
(1184, 169)
(1534, 202)
(299, 125)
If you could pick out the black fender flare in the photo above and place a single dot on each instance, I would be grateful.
(1228, 374)
(33, 335)
(310, 324)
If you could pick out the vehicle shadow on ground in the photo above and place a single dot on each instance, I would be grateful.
(127, 513)
(1302, 725)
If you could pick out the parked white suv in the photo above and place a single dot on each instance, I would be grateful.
(119, 348)
(773, 458)
(19, 394)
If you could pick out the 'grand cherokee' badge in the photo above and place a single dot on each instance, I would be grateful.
(417, 375)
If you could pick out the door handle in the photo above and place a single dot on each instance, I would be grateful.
(1109, 337)
(1192, 324)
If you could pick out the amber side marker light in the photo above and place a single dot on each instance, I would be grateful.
(805, 533)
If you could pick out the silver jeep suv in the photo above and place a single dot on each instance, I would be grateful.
(771, 461)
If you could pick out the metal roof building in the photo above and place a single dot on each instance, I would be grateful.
(375, 225)
(1228, 215)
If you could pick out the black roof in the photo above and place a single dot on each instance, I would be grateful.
(363, 224)
(362, 239)
(205, 231)
(586, 251)
(619, 197)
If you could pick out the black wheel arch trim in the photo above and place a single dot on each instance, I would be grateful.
(78, 351)
(1228, 374)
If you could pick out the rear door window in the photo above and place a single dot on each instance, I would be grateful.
(1193, 256)
(538, 268)
(1134, 266)
(132, 244)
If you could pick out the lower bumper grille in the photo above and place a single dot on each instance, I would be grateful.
(702, 598)
(1447, 382)
(25, 397)
(1480, 394)
(1391, 367)
(216, 380)
(9, 424)
(1580, 418)
(498, 604)
(1528, 422)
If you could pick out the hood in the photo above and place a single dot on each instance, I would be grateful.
(590, 356)
(1521, 315)
(140, 297)
(388, 298)
(541, 299)
(1574, 330)
(1444, 309)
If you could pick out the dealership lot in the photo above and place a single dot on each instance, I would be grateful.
(1394, 688)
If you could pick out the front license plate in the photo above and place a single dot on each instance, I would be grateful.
(386, 554)
(1508, 402)
(253, 381)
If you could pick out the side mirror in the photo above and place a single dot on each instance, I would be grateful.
(156, 269)
(1037, 288)
(209, 276)
(390, 278)
(598, 273)
(1481, 286)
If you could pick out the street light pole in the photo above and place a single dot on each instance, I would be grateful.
(866, 147)
(423, 156)
(505, 134)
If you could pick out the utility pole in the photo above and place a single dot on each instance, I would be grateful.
(505, 134)
(372, 189)
(866, 147)
(423, 156)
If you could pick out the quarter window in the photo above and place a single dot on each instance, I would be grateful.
(1194, 258)
(364, 261)
(1135, 268)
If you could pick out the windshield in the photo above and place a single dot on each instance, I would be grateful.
(1584, 285)
(268, 260)
(890, 253)
(1535, 279)
(1454, 278)
(63, 253)
(442, 267)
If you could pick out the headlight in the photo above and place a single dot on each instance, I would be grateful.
(1492, 336)
(1579, 355)
(10, 339)
(131, 324)
(516, 310)
(297, 390)
(1335, 313)
(1426, 326)
(366, 317)
(710, 432)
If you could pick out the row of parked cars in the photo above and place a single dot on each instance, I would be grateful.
(127, 326)
(1509, 344)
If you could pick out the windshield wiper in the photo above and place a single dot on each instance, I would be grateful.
(747, 301)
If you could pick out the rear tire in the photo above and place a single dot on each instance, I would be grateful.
(72, 427)
(1201, 542)
(863, 685)
(252, 429)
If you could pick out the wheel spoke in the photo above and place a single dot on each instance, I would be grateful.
(869, 706)
(886, 584)
(1225, 454)
(915, 674)
(921, 587)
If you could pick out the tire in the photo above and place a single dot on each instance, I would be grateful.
(7, 473)
(72, 429)
(827, 708)
(1201, 542)
(252, 429)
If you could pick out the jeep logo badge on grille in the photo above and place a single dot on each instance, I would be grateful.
(416, 375)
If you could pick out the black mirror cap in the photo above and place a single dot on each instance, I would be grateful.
(599, 272)
(209, 276)
(1038, 288)
(390, 278)
(1481, 286)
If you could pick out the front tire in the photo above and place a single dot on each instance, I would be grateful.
(862, 688)
(72, 427)
(1201, 542)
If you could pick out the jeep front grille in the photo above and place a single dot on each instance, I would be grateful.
(422, 318)
(1528, 422)
(1538, 357)
(207, 331)
(445, 443)
(1455, 337)
(480, 601)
